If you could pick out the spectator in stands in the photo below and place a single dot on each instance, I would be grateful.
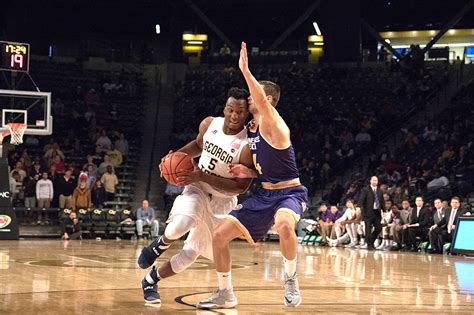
(352, 193)
(16, 188)
(44, 195)
(19, 169)
(363, 137)
(59, 165)
(25, 159)
(81, 197)
(91, 175)
(51, 151)
(443, 232)
(418, 226)
(439, 181)
(335, 193)
(76, 169)
(36, 171)
(99, 195)
(345, 154)
(71, 229)
(44, 191)
(103, 143)
(91, 97)
(115, 156)
(29, 188)
(224, 51)
(110, 181)
(398, 196)
(105, 164)
(48, 145)
(68, 147)
(121, 144)
(65, 188)
(146, 217)
(90, 161)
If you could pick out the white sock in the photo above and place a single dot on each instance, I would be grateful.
(149, 277)
(290, 266)
(225, 280)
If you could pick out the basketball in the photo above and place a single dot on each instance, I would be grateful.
(174, 164)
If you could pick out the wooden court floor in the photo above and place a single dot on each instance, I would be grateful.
(100, 277)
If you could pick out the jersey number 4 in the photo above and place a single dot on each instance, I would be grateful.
(257, 165)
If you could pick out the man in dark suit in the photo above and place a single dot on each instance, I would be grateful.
(439, 211)
(443, 231)
(372, 203)
(438, 214)
(419, 225)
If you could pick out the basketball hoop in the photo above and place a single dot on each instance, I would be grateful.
(16, 131)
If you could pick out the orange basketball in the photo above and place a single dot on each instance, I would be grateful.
(174, 164)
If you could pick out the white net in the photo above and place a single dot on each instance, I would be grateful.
(16, 131)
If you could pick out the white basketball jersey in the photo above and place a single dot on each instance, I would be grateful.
(218, 151)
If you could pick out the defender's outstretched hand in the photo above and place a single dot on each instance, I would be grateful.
(241, 171)
(243, 60)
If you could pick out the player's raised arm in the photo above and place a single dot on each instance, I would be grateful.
(264, 107)
(272, 126)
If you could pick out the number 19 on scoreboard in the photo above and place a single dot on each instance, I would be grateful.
(14, 56)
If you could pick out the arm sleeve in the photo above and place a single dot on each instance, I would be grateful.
(51, 190)
(344, 217)
(73, 199)
(37, 190)
(139, 214)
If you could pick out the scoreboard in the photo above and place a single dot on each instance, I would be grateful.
(14, 56)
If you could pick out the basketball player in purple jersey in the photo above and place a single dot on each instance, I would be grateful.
(279, 202)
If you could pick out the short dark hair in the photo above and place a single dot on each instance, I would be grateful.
(272, 89)
(456, 198)
(437, 199)
(238, 94)
(420, 197)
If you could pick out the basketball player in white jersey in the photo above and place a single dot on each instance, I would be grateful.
(209, 190)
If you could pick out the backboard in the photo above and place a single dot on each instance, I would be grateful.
(27, 107)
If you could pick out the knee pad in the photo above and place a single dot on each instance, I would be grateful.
(183, 260)
(179, 225)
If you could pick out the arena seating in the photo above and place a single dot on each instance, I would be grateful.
(116, 111)
(325, 107)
